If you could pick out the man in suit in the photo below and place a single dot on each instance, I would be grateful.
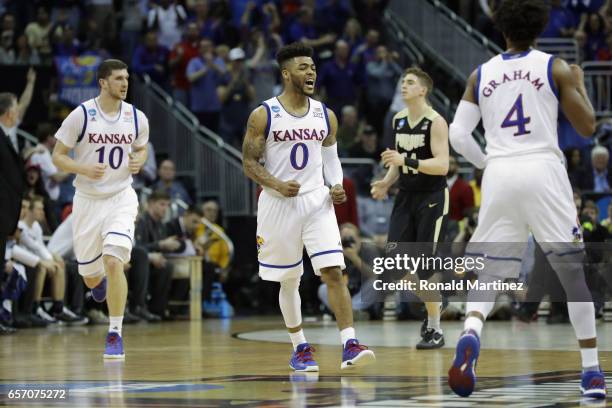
(12, 178)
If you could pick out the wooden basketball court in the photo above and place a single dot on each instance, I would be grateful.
(244, 362)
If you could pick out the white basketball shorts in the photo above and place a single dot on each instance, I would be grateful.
(286, 225)
(522, 195)
(102, 222)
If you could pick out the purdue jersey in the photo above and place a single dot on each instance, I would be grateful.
(519, 104)
(96, 138)
(293, 144)
(413, 140)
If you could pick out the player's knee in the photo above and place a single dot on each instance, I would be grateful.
(112, 264)
(332, 276)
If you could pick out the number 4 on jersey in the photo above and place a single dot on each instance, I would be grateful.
(520, 121)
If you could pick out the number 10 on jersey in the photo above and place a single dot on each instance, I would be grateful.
(115, 156)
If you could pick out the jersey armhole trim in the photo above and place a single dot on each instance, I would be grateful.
(84, 124)
(326, 118)
(551, 82)
(268, 120)
(135, 121)
(476, 89)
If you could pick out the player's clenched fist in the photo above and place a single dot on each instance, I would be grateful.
(337, 194)
(289, 188)
(136, 162)
(96, 171)
(379, 190)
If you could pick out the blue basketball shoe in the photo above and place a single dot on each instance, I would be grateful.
(114, 347)
(302, 359)
(462, 374)
(99, 292)
(354, 355)
(593, 384)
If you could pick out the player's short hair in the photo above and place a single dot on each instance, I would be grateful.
(423, 77)
(158, 195)
(293, 50)
(522, 21)
(106, 68)
(7, 99)
(44, 130)
(35, 199)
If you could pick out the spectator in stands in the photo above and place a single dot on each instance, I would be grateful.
(167, 17)
(366, 52)
(366, 146)
(595, 32)
(607, 222)
(152, 58)
(235, 94)
(22, 107)
(53, 266)
(561, 22)
(599, 180)
(151, 234)
(26, 55)
(38, 35)
(605, 53)
(12, 177)
(148, 172)
(133, 14)
(41, 157)
(103, 13)
(303, 29)
(206, 73)
(382, 75)
(339, 79)
(352, 35)
(461, 194)
(347, 131)
(374, 215)
(138, 273)
(370, 12)
(575, 169)
(207, 238)
(7, 48)
(264, 16)
(67, 45)
(180, 56)
(333, 14)
(347, 211)
(262, 64)
(36, 188)
(8, 30)
(168, 184)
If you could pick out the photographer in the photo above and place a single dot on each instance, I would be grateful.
(359, 259)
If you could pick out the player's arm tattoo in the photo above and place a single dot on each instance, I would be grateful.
(333, 128)
(253, 148)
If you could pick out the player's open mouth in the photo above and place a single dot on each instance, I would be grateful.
(309, 82)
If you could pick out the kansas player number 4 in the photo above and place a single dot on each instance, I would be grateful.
(516, 118)
(115, 156)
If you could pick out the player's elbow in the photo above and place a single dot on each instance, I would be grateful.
(443, 168)
(456, 137)
(587, 129)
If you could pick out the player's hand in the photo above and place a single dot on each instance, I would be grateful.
(31, 75)
(96, 171)
(379, 190)
(8, 267)
(337, 194)
(578, 73)
(392, 157)
(289, 188)
(351, 253)
(136, 162)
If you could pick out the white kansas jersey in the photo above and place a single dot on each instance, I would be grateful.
(97, 138)
(519, 104)
(293, 144)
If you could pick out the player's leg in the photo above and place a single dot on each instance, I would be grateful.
(42, 271)
(431, 219)
(118, 233)
(500, 222)
(279, 252)
(554, 224)
(321, 237)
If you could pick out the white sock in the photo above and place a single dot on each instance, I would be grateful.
(116, 324)
(589, 357)
(433, 322)
(297, 338)
(346, 335)
(473, 323)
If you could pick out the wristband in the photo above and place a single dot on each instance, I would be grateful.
(412, 163)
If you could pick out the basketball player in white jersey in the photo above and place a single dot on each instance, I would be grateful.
(525, 185)
(109, 139)
(296, 137)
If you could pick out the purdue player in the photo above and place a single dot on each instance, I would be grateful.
(296, 137)
(109, 139)
(525, 186)
(420, 162)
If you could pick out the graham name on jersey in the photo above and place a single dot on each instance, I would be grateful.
(114, 138)
(299, 134)
(509, 77)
